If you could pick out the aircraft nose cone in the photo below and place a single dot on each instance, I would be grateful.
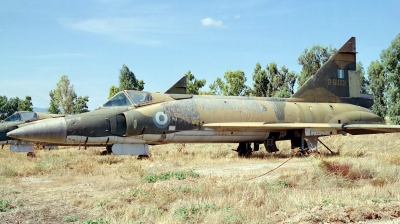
(51, 130)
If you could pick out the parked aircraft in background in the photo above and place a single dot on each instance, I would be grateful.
(12, 122)
(329, 103)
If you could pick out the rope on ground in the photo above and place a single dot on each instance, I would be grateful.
(270, 170)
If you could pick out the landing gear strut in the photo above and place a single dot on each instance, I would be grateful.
(244, 149)
(270, 145)
(108, 150)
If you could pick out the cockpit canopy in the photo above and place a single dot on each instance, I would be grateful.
(128, 98)
(22, 116)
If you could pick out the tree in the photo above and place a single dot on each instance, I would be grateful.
(312, 60)
(10, 106)
(81, 105)
(378, 87)
(278, 82)
(127, 81)
(260, 82)
(25, 105)
(65, 95)
(234, 84)
(284, 83)
(54, 105)
(364, 82)
(113, 90)
(390, 58)
(193, 85)
(65, 99)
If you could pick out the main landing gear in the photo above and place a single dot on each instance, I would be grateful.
(298, 140)
(108, 150)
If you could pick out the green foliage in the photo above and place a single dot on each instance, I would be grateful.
(10, 106)
(54, 104)
(180, 175)
(194, 85)
(69, 218)
(364, 82)
(113, 90)
(391, 62)
(281, 81)
(377, 86)
(186, 189)
(103, 203)
(261, 82)
(382, 200)
(80, 105)
(4, 205)
(234, 84)
(135, 193)
(273, 82)
(187, 213)
(312, 60)
(97, 221)
(64, 99)
(277, 185)
(127, 81)
(8, 171)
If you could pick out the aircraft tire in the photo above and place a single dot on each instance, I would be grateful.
(244, 150)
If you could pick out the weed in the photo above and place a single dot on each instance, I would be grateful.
(382, 200)
(103, 203)
(314, 218)
(135, 193)
(182, 212)
(277, 185)
(69, 218)
(186, 189)
(9, 171)
(97, 221)
(186, 213)
(231, 219)
(327, 202)
(339, 169)
(4, 205)
(152, 178)
(142, 210)
(179, 175)
(347, 170)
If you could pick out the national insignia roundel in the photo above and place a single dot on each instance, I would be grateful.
(160, 119)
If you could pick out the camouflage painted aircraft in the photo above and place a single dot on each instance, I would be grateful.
(329, 103)
(12, 122)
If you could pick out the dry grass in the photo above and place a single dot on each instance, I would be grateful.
(204, 183)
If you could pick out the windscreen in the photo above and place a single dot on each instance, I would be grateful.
(140, 97)
(15, 117)
(29, 115)
(118, 100)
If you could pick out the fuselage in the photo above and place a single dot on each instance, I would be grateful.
(179, 121)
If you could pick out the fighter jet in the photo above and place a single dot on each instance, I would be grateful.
(17, 119)
(329, 103)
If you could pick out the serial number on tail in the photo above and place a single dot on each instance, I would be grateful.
(337, 82)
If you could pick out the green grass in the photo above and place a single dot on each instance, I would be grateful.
(179, 175)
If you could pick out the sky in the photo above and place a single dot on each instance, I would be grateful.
(160, 41)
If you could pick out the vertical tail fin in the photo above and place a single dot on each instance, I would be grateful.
(336, 80)
(179, 87)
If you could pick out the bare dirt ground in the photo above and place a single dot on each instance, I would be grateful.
(205, 183)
